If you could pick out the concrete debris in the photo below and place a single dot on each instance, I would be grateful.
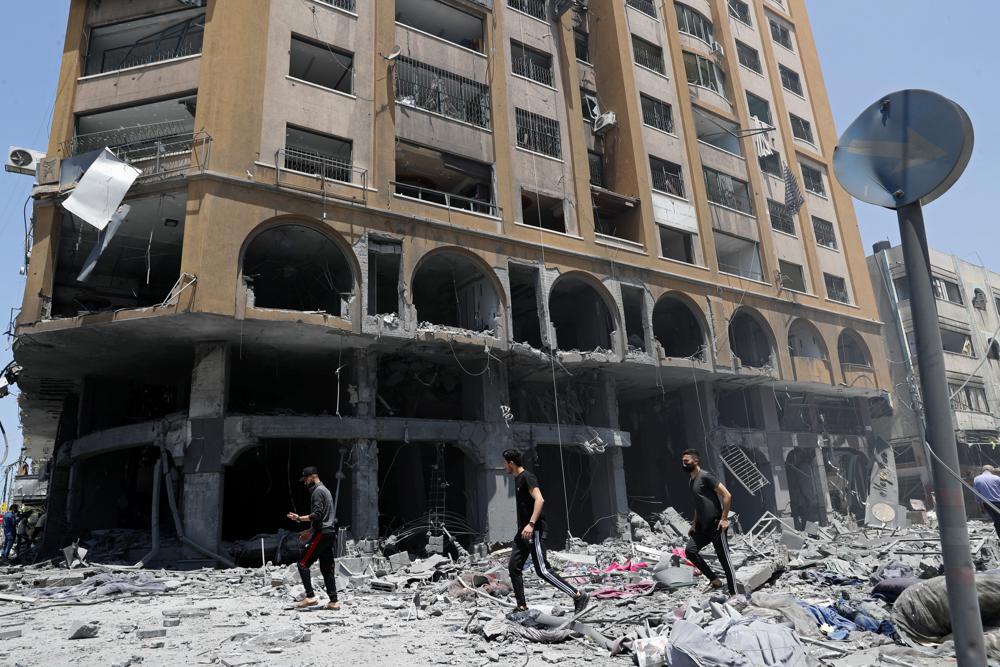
(82, 630)
(10, 634)
(150, 633)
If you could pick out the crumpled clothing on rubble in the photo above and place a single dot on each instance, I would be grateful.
(892, 570)
(922, 609)
(844, 618)
(627, 566)
(831, 578)
(855, 613)
(890, 589)
(523, 624)
(107, 583)
(626, 591)
(735, 642)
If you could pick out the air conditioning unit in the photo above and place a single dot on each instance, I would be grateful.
(605, 121)
(717, 49)
(23, 160)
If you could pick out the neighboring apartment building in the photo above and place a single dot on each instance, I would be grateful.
(968, 305)
(395, 237)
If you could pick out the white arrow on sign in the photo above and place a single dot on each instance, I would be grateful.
(916, 150)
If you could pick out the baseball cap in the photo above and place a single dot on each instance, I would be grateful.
(308, 470)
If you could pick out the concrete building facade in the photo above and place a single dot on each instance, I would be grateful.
(968, 305)
(393, 238)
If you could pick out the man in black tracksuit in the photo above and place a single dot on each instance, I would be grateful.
(711, 520)
(321, 542)
(529, 540)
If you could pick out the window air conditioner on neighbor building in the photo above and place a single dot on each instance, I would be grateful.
(23, 160)
(605, 121)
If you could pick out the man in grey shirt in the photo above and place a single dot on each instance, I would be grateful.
(321, 542)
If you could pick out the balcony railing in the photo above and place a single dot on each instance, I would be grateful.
(446, 199)
(158, 149)
(743, 271)
(349, 5)
(136, 135)
(439, 91)
(534, 8)
(644, 6)
(291, 164)
(665, 181)
(184, 39)
(526, 67)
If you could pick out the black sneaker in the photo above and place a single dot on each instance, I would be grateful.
(580, 602)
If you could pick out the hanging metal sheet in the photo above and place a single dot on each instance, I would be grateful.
(101, 190)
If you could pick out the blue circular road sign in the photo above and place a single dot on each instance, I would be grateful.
(910, 146)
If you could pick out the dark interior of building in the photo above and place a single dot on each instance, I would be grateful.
(677, 329)
(451, 290)
(524, 305)
(749, 341)
(580, 316)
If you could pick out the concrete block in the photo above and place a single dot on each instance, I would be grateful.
(171, 622)
(812, 529)
(82, 630)
(151, 633)
(792, 539)
(670, 517)
(675, 577)
(383, 585)
(10, 634)
(756, 575)
(399, 561)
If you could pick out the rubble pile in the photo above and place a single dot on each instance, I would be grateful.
(837, 595)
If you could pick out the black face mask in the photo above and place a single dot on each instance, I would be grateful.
(688, 467)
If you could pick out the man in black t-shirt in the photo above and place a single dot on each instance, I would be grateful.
(529, 540)
(711, 520)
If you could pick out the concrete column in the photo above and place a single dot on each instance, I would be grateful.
(491, 502)
(364, 475)
(203, 471)
(608, 495)
(775, 453)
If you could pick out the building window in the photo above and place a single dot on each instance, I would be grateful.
(647, 55)
(738, 256)
(582, 42)
(968, 398)
(534, 8)
(666, 176)
(439, 91)
(531, 64)
(740, 11)
(790, 80)
(320, 154)
(596, 163)
(676, 245)
(836, 288)
(781, 34)
(538, 133)
(791, 276)
(781, 219)
(771, 164)
(801, 128)
(759, 108)
(946, 290)
(748, 57)
(705, 73)
(825, 235)
(727, 191)
(717, 132)
(656, 113)
(813, 180)
(644, 6)
(902, 286)
(588, 105)
(442, 20)
(538, 210)
(693, 23)
(321, 64)
(957, 342)
(144, 41)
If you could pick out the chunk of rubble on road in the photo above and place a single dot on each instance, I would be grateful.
(83, 630)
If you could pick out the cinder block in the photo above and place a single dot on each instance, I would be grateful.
(150, 633)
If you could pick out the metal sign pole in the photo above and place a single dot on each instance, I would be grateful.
(960, 577)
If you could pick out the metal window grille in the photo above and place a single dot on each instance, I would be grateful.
(693, 23)
(349, 5)
(538, 133)
(836, 288)
(748, 57)
(667, 176)
(727, 191)
(657, 114)
(704, 72)
(781, 34)
(534, 8)
(801, 128)
(813, 180)
(771, 164)
(440, 91)
(647, 55)
(314, 162)
(596, 163)
(790, 80)
(179, 40)
(825, 235)
(740, 10)
(531, 64)
(582, 42)
(644, 6)
(780, 217)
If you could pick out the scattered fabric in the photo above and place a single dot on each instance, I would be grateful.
(627, 566)
(620, 592)
(892, 570)
(789, 607)
(830, 578)
(890, 589)
(837, 627)
(107, 583)
(922, 613)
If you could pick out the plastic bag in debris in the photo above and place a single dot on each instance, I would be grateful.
(921, 611)
(736, 642)
(107, 583)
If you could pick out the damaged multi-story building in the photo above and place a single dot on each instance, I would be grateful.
(392, 238)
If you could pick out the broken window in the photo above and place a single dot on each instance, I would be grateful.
(580, 316)
(759, 108)
(525, 308)
(443, 21)
(581, 42)
(667, 176)
(531, 63)
(781, 219)
(740, 408)
(321, 64)
(295, 267)
(749, 341)
(968, 398)
(677, 329)
(748, 57)
(647, 54)
(311, 152)
(634, 306)
(794, 412)
(693, 23)
(384, 259)
(825, 235)
(957, 342)
(440, 91)
(718, 132)
(657, 113)
(451, 290)
(675, 244)
(792, 276)
(644, 6)
(780, 33)
(740, 11)
(704, 72)
(837, 415)
(836, 288)
(852, 350)
(946, 290)
(589, 107)
(265, 383)
(145, 41)
(801, 128)
(993, 353)
(804, 340)
(790, 80)
(728, 191)
(442, 178)
(539, 210)
(595, 162)
(902, 286)
(134, 265)
(738, 256)
(538, 133)
(616, 215)
(138, 133)
(771, 164)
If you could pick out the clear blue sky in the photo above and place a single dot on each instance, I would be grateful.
(867, 48)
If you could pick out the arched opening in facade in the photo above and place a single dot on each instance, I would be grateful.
(677, 329)
(847, 474)
(452, 290)
(749, 340)
(295, 267)
(852, 350)
(804, 340)
(580, 315)
(806, 495)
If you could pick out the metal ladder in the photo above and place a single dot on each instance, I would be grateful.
(743, 469)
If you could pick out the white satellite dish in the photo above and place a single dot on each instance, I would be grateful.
(393, 54)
